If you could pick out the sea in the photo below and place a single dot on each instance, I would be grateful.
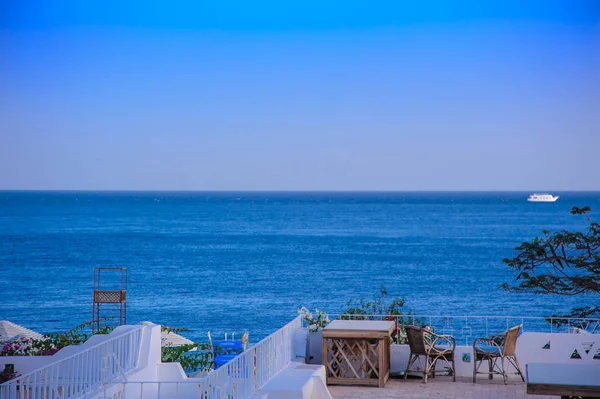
(246, 261)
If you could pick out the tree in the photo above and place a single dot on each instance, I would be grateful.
(561, 263)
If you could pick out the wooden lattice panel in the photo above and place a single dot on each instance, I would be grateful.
(357, 354)
(111, 296)
(353, 358)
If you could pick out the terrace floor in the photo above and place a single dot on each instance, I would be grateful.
(442, 387)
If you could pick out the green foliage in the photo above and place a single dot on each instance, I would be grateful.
(174, 330)
(382, 308)
(75, 336)
(51, 343)
(193, 357)
(379, 306)
(561, 263)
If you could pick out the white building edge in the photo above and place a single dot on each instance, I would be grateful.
(126, 364)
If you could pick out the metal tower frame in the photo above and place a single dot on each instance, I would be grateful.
(110, 300)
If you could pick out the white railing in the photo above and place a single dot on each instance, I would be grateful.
(81, 373)
(240, 378)
(468, 328)
(275, 352)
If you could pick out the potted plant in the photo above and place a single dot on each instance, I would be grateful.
(315, 323)
(8, 373)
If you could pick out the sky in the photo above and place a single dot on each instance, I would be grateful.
(299, 95)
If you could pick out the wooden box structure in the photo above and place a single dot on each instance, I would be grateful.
(109, 306)
(357, 352)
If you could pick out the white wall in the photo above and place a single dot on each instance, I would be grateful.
(144, 381)
(25, 364)
(530, 349)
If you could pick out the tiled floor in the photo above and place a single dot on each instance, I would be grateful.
(441, 387)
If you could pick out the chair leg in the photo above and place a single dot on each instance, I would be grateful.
(474, 368)
(453, 369)
(518, 367)
(503, 368)
(412, 360)
(491, 369)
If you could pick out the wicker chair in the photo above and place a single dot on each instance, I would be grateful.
(497, 349)
(433, 347)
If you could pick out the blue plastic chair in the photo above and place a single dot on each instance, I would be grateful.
(226, 350)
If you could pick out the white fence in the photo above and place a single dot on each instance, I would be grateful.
(238, 379)
(467, 328)
(83, 372)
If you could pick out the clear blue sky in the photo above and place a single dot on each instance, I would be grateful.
(300, 95)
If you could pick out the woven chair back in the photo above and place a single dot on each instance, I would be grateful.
(510, 342)
(414, 335)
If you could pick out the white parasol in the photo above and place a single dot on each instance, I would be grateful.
(169, 338)
(10, 331)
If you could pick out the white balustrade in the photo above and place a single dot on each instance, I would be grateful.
(238, 379)
(81, 373)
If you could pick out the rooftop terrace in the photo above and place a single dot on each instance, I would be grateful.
(126, 364)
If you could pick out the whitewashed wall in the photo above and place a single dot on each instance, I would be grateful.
(531, 348)
(144, 381)
(26, 364)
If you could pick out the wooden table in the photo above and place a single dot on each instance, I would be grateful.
(563, 379)
(357, 352)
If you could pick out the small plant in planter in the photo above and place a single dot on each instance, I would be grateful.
(8, 373)
(315, 321)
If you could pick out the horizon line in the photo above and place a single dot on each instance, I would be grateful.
(289, 191)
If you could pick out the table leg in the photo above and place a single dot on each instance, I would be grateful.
(380, 350)
(324, 357)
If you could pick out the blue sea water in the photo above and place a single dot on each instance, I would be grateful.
(227, 261)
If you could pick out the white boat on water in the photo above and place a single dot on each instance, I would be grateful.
(542, 198)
